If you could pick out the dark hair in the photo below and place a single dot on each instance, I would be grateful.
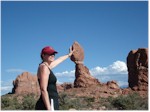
(41, 57)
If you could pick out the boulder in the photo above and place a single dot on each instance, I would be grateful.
(78, 54)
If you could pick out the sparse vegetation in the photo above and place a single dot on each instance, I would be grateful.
(126, 102)
(29, 102)
(12, 102)
(77, 103)
(67, 102)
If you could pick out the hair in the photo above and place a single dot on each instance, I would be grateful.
(42, 57)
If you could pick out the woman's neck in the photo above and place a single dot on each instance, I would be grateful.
(47, 63)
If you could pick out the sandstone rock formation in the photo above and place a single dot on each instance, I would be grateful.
(78, 54)
(67, 86)
(137, 63)
(113, 85)
(83, 77)
(26, 84)
(60, 88)
(87, 85)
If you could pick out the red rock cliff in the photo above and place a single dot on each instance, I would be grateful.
(137, 63)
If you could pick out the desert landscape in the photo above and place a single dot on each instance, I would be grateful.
(87, 92)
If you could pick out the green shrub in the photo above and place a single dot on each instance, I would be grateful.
(66, 102)
(29, 102)
(78, 103)
(10, 102)
(5, 102)
(127, 102)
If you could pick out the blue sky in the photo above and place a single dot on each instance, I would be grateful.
(106, 30)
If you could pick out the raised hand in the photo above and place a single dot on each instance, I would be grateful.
(71, 50)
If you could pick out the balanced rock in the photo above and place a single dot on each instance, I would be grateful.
(78, 54)
(137, 63)
(83, 77)
(26, 84)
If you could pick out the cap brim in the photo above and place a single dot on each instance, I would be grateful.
(55, 52)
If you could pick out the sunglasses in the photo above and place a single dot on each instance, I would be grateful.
(51, 54)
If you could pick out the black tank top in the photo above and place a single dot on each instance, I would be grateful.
(51, 88)
(52, 92)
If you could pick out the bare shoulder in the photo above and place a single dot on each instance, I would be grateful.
(43, 67)
(43, 70)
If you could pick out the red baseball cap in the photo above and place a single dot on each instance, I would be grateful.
(48, 50)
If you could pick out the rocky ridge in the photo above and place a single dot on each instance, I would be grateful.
(86, 85)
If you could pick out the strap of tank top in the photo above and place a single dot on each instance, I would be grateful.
(47, 66)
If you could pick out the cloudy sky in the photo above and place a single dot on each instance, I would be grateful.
(107, 31)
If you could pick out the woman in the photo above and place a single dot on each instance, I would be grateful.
(47, 80)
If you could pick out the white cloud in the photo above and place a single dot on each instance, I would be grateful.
(6, 88)
(66, 74)
(98, 70)
(15, 70)
(118, 67)
(58, 82)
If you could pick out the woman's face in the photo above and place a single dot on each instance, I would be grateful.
(49, 58)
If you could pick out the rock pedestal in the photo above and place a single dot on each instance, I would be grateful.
(137, 63)
(83, 77)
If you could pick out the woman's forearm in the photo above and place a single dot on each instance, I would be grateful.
(46, 99)
(59, 60)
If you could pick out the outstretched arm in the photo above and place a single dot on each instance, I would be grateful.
(61, 59)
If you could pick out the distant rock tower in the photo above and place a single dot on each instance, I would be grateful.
(82, 74)
(26, 84)
(137, 63)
